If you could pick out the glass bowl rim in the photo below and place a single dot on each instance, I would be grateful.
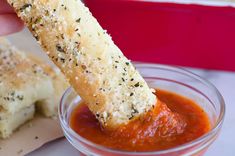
(66, 128)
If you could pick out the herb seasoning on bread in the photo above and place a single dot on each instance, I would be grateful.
(96, 68)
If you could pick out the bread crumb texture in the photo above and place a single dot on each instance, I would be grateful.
(26, 81)
(85, 53)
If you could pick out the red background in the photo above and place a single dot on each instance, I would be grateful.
(168, 33)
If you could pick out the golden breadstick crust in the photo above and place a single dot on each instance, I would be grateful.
(85, 53)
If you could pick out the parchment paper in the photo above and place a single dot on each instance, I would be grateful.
(31, 136)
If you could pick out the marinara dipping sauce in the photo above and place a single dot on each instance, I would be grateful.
(175, 120)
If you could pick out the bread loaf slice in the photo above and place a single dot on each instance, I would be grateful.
(111, 86)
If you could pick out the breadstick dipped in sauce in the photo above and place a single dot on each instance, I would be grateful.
(106, 80)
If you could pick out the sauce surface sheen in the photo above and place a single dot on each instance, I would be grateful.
(175, 120)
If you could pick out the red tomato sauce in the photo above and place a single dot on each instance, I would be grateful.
(175, 120)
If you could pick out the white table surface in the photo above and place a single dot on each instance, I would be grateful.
(224, 81)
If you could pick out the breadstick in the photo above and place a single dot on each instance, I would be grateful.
(96, 68)
(26, 81)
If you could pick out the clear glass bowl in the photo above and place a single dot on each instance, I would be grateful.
(164, 77)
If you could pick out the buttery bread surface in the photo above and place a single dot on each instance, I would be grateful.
(96, 68)
(26, 81)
